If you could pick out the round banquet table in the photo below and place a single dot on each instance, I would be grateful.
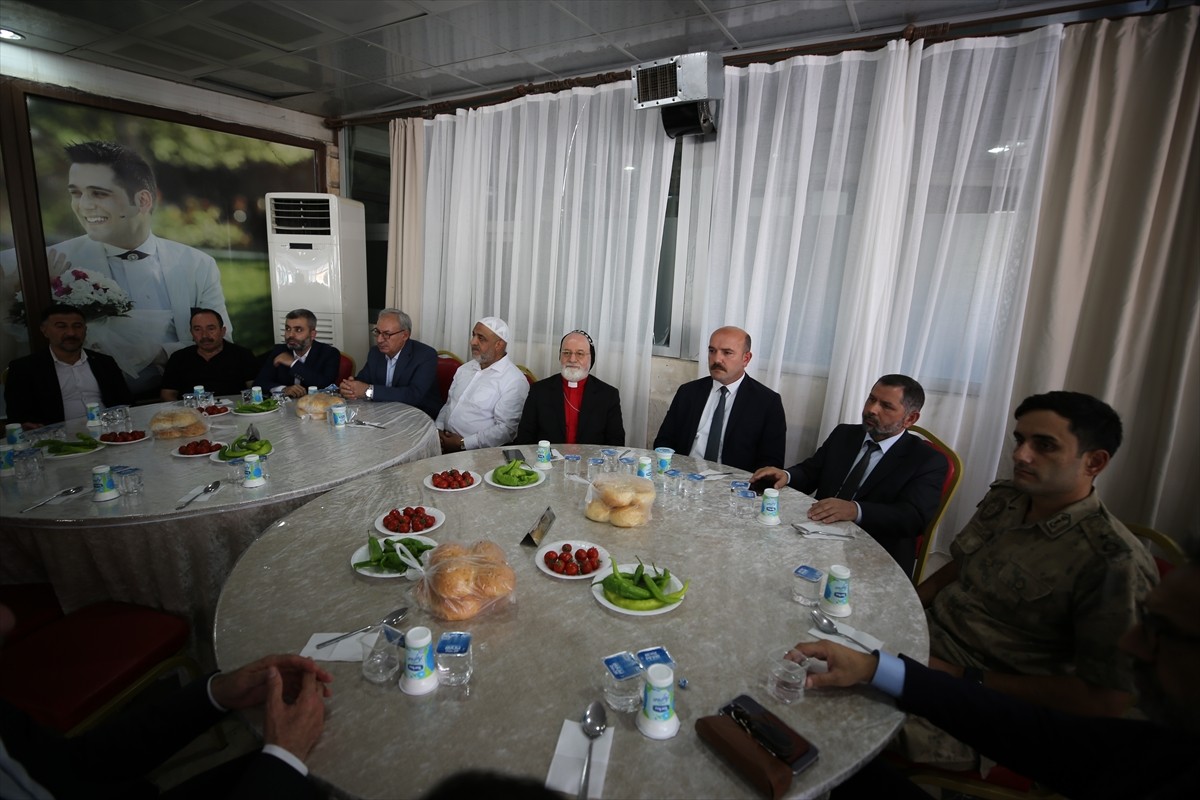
(538, 659)
(138, 548)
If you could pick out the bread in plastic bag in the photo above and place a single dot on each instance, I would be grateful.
(619, 499)
(459, 582)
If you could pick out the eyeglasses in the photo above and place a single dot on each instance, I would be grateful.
(580, 355)
(1156, 626)
(385, 334)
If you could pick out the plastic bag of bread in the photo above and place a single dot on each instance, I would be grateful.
(316, 405)
(460, 581)
(618, 499)
(173, 423)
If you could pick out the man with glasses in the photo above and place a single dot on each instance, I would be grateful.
(1079, 756)
(301, 361)
(1043, 580)
(399, 369)
(573, 407)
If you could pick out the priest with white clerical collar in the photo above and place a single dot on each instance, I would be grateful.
(573, 407)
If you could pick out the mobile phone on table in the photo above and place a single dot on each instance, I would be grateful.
(772, 733)
(512, 454)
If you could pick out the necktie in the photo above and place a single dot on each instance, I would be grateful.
(713, 448)
(855, 478)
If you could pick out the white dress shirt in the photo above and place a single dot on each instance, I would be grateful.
(700, 443)
(484, 405)
(78, 385)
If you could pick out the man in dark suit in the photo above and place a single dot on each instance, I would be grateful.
(113, 759)
(875, 474)
(57, 384)
(729, 418)
(574, 407)
(301, 361)
(399, 369)
(1075, 754)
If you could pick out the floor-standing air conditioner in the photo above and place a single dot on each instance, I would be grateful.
(318, 251)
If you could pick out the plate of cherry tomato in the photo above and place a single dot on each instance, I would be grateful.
(410, 519)
(571, 560)
(213, 410)
(197, 449)
(123, 437)
(452, 480)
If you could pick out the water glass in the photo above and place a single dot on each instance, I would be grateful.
(381, 653)
(610, 460)
(672, 482)
(734, 488)
(595, 468)
(621, 682)
(571, 464)
(628, 465)
(747, 504)
(247, 397)
(27, 463)
(454, 658)
(693, 485)
(806, 585)
(206, 399)
(785, 679)
(129, 480)
(190, 400)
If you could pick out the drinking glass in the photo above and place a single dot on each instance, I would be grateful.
(381, 650)
(785, 679)
(27, 463)
(571, 464)
(454, 658)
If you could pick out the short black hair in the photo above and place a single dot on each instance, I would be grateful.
(130, 170)
(305, 314)
(60, 308)
(217, 314)
(913, 397)
(591, 344)
(1093, 421)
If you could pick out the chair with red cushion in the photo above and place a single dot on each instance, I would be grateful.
(73, 672)
(447, 365)
(33, 604)
(345, 368)
(954, 470)
(529, 376)
(1172, 554)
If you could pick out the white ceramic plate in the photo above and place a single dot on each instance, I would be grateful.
(541, 478)
(438, 519)
(254, 413)
(76, 455)
(673, 585)
(226, 410)
(363, 553)
(475, 475)
(216, 455)
(135, 441)
(540, 558)
(178, 454)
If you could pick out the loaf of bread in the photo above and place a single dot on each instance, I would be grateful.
(621, 500)
(316, 405)
(174, 423)
(461, 581)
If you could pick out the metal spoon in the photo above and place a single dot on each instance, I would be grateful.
(390, 619)
(212, 487)
(826, 625)
(63, 493)
(594, 721)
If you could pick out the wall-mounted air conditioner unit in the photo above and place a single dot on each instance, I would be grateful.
(317, 248)
(685, 88)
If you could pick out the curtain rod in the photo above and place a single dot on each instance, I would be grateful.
(938, 32)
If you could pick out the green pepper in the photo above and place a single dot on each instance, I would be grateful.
(632, 605)
(650, 584)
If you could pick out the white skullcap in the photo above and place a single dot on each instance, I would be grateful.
(496, 326)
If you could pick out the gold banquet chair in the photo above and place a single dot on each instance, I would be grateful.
(954, 470)
(1173, 555)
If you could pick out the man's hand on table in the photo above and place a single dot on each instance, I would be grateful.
(846, 667)
(352, 389)
(451, 442)
(295, 726)
(31, 426)
(295, 391)
(831, 509)
(248, 687)
(779, 476)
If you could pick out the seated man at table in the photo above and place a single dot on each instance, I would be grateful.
(399, 369)
(728, 418)
(217, 364)
(574, 406)
(301, 361)
(58, 383)
(113, 760)
(487, 394)
(875, 473)
(1043, 579)
(1077, 755)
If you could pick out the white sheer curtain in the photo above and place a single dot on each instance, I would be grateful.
(548, 211)
(874, 213)
(405, 218)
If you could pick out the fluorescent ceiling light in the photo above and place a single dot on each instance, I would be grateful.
(12, 36)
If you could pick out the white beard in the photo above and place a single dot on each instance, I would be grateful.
(574, 374)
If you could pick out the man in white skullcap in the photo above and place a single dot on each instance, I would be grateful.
(487, 395)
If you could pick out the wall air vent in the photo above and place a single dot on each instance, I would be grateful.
(685, 87)
(301, 216)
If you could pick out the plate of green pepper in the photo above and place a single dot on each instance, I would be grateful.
(514, 475)
(638, 590)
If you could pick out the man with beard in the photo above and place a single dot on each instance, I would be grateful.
(487, 394)
(301, 361)
(728, 418)
(1043, 579)
(220, 366)
(875, 474)
(1077, 755)
(57, 384)
(574, 406)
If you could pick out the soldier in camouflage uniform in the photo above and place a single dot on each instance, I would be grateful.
(1043, 580)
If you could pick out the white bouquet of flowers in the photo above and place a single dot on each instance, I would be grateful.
(133, 337)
